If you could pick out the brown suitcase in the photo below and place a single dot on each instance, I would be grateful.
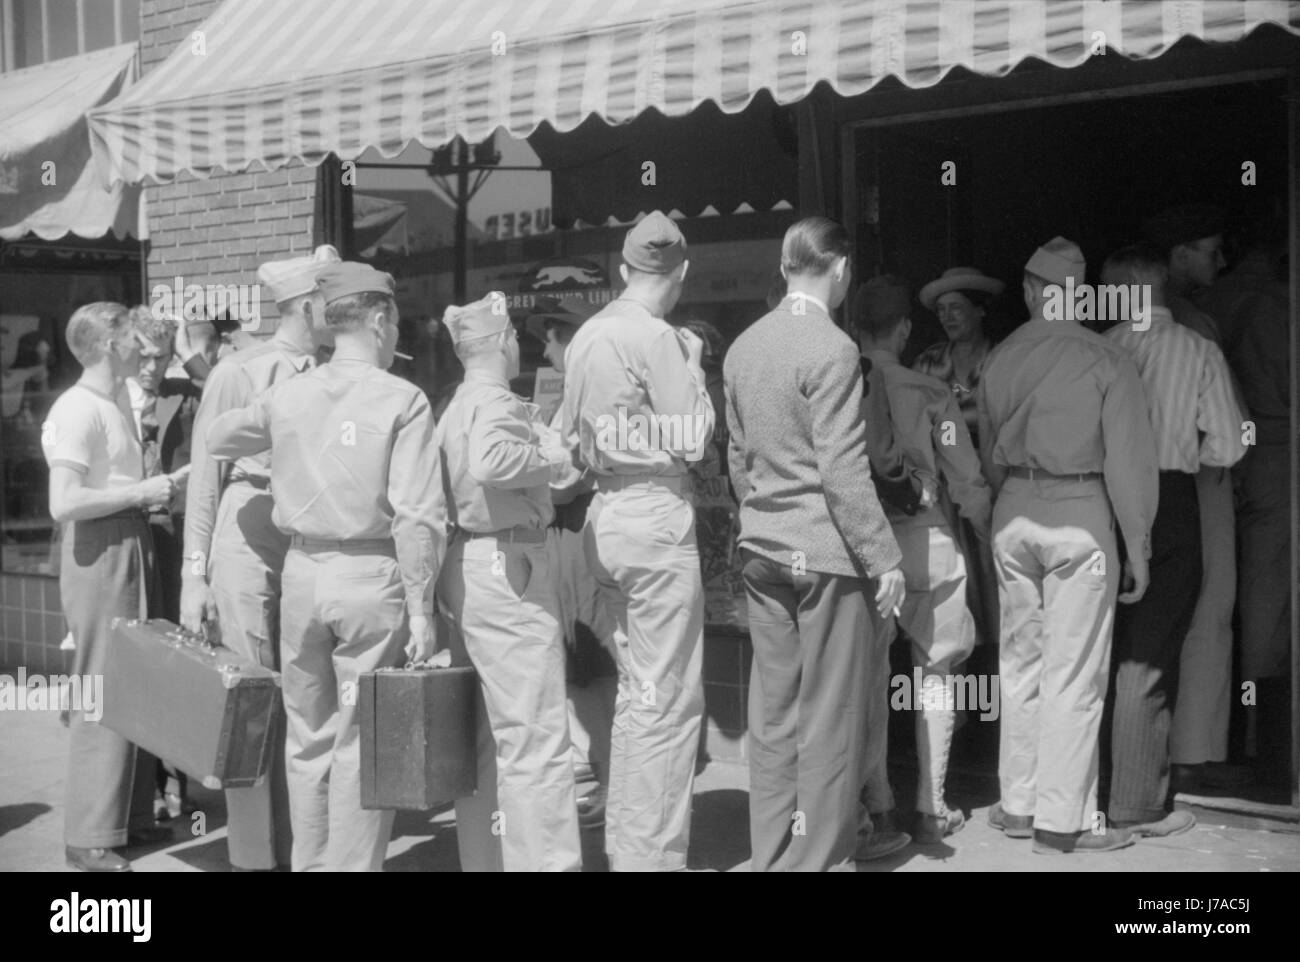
(205, 710)
(417, 737)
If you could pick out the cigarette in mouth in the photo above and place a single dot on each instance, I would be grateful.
(404, 357)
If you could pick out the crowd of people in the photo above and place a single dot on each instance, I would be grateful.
(1068, 495)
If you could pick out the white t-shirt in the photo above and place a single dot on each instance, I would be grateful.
(94, 435)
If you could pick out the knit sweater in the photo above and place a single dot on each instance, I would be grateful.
(798, 447)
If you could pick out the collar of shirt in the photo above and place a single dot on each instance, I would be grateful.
(480, 376)
(299, 358)
(1161, 314)
(808, 297)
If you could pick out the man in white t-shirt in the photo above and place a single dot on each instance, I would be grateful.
(97, 489)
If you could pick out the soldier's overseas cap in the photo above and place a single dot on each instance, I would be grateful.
(655, 245)
(350, 277)
(483, 318)
(1058, 260)
(1184, 224)
(296, 276)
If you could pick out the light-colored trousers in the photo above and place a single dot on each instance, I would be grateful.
(641, 548)
(1058, 575)
(524, 817)
(247, 556)
(106, 573)
(1200, 728)
(343, 614)
(941, 627)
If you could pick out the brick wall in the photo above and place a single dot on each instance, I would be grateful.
(31, 625)
(218, 230)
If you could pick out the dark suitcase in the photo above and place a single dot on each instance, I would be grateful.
(417, 737)
(208, 711)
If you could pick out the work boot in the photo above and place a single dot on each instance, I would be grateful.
(1082, 843)
(878, 838)
(95, 860)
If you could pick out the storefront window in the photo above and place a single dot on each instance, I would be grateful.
(36, 367)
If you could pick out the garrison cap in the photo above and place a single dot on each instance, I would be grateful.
(351, 277)
(483, 318)
(1058, 260)
(655, 245)
(295, 276)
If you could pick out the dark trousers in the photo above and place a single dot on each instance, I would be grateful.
(1144, 663)
(168, 544)
(807, 714)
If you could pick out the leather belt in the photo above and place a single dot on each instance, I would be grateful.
(1038, 474)
(366, 545)
(617, 482)
(126, 514)
(515, 535)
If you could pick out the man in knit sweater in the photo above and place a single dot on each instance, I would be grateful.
(815, 542)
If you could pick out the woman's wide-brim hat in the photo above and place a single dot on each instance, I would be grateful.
(959, 279)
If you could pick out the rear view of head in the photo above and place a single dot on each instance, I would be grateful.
(1142, 264)
(880, 315)
(366, 314)
(484, 336)
(654, 263)
(816, 250)
(102, 332)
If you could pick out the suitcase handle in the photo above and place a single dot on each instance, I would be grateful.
(180, 638)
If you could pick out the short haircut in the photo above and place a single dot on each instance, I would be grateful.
(159, 329)
(1140, 263)
(880, 307)
(91, 325)
(351, 313)
(813, 245)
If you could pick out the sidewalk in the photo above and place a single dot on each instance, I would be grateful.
(33, 757)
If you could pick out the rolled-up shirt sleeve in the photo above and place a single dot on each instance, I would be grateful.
(677, 391)
(834, 393)
(419, 508)
(1130, 467)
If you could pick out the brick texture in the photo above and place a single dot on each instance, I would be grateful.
(217, 230)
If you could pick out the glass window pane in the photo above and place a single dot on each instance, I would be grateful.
(63, 28)
(130, 21)
(101, 29)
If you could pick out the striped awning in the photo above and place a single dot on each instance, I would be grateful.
(272, 83)
(48, 185)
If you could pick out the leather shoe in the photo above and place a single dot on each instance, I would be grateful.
(1083, 843)
(150, 835)
(1175, 823)
(933, 829)
(95, 860)
(879, 844)
(1012, 826)
(591, 808)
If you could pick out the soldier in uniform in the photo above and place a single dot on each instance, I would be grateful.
(355, 479)
(498, 589)
(1068, 447)
(234, 552)
(637, 407)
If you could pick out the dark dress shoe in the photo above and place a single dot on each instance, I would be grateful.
(1012, 826)
(150, 835)
(95, 860)
(591, 808)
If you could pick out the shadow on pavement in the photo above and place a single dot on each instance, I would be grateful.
(13, 817)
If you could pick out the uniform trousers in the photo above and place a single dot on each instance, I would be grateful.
(808, 714)
(641, 549)
(1058, 575)
(343, 614)
(1264, 575)
(107, 572)
(1200, 728)
(500, 596)
(1147, 647)
(247, 558)
(168, 532)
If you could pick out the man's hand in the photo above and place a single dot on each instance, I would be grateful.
(1135, 580)
(694, 346)
(889, 594)
(197, 605)
(421, 646)
(155, 492)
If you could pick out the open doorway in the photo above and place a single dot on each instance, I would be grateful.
(985, 186)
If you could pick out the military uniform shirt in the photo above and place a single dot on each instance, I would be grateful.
(626, 363)
(497, 474)
(1059, 397)
(354, 458)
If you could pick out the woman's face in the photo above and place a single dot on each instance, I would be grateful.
(961, 320)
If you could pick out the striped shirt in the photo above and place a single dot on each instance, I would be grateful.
(1194, 414)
